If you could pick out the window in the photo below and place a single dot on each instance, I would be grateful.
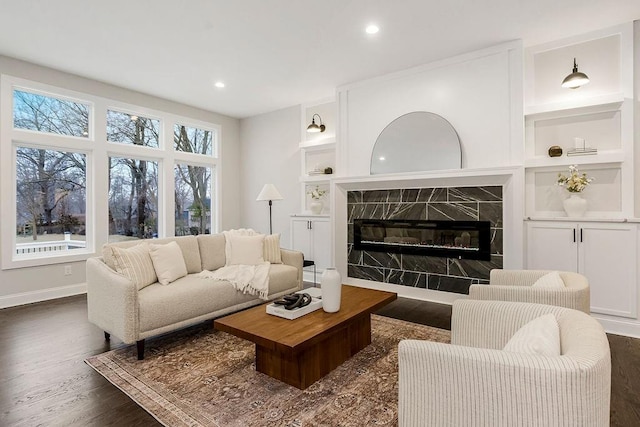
(69, 189)
(192, 200)
(132, 129)
(193, 140)
(51, 201)
(133, 199)
(51, 115)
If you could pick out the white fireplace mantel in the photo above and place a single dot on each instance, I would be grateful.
(510, 178)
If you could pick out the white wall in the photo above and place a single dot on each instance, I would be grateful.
(36, 283)
(270, 155)
(480, 94)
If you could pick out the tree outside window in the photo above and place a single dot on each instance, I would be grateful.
(50, 195)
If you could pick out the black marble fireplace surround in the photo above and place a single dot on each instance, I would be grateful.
(450, 274)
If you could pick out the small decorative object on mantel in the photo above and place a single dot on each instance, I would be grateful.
(328, 171)
(575, 183)
(331, 286)
(555, 151)
(316, 204)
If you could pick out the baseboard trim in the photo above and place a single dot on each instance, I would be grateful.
(626, 327)
(23, 298)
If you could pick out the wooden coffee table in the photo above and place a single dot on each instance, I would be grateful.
(299, 352)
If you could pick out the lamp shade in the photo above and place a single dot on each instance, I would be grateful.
(269, 192)
(313, 127)
(575, 79)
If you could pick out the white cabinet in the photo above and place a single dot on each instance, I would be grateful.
(311, 235)
(606, 253)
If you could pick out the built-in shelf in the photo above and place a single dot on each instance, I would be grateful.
(575, 106)
(581, 219)
(319, 144)
(316, 179)
(602, 157)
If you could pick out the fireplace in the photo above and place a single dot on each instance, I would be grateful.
(449, 239)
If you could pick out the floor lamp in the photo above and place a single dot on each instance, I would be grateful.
(269, 192)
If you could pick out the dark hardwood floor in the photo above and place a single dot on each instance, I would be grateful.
(44, 381)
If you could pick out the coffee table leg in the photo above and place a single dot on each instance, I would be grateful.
(303, 368)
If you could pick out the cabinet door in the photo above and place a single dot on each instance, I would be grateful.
(608, 258)
(321, 244)
(552, 246)
(301, 237)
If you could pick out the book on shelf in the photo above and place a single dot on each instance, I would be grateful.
(582, 151)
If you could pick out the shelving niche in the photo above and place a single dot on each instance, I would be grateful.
(317, 152)
(601, 113)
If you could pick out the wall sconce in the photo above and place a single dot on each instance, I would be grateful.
(575, 79)
(313, 127)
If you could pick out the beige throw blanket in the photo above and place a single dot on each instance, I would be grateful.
(248, 279)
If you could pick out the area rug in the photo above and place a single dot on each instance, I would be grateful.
(204, 377)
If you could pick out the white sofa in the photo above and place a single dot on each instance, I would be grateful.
(515, 285)
(118, 307)
(473, 381)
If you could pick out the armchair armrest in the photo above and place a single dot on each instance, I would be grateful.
(112, 301)
(295, 259)
(443, 384)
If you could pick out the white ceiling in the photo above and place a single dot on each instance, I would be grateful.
(275, 53)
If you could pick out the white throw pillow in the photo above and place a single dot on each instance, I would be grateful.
(168, 262)
(135, 264)
(227, 239)
(245, 250)
(271, 250)
(550, 280)
(540, 336)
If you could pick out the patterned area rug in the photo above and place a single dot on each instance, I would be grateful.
(207, 378)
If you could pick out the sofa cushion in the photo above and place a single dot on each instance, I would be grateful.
(135, 264)
(245, 250)
(184, 299)
(212, 247)
(168, 262)
(271, 249)
(192, 296)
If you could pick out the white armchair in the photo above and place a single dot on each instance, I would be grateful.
(515, 285)
(473, 382)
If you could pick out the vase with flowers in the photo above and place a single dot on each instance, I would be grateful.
(574, 183)
(316, 204)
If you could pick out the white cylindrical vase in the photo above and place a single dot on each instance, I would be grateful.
(575, 206)
(331, 286)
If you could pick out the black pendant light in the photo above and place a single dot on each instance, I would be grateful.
(576, 78)
(313, 127)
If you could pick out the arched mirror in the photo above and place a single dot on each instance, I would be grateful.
(416, 142)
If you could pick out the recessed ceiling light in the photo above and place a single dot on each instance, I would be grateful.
(219, 85)
(372, 29)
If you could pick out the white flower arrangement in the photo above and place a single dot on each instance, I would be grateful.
(316, 193)
(575, 182)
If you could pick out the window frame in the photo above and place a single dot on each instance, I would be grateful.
(98, 150)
